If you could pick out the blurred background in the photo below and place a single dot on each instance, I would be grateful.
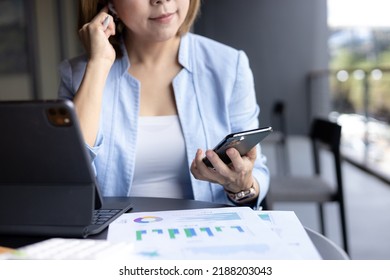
(315, 58)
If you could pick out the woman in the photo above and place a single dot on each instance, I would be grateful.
(149, 93)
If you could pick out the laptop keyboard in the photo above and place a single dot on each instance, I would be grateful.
(102, 216)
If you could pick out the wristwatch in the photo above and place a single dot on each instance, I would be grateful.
(242, 195)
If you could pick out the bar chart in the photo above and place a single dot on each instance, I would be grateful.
(200, 232)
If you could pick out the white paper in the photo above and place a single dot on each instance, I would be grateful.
(212, 233)
(290, 230)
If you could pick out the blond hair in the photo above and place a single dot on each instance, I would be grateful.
(88, 9)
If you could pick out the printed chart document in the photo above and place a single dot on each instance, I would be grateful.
(290, 230)
(212, 233)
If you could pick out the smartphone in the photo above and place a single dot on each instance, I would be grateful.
(242, 141)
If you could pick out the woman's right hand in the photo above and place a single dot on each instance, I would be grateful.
(89, 96)
(94, 36)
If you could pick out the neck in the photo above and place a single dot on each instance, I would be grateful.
(152, 53)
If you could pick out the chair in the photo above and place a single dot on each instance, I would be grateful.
(326, 247)
(291, 188)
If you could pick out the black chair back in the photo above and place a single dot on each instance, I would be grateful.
(327, 134)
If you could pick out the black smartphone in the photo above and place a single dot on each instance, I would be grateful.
(242, 141)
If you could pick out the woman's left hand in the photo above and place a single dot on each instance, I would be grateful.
(235, 177)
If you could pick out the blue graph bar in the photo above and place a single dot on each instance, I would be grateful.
(238, 228)
(173, 232)
(207, 230)
(190, 232)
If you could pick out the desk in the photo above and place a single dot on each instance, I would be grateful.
(326, 248)
(140, 204)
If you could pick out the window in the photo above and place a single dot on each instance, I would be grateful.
(359, 76)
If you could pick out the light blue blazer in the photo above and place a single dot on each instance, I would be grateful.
(214, 94)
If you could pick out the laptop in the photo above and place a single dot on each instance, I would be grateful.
(47, 184)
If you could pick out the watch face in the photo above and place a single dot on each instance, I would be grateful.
(243, 194)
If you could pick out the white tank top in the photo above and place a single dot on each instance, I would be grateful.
(161, 167)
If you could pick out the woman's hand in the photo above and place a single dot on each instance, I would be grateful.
(234, 177)
(89, 96)
(94, 36)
